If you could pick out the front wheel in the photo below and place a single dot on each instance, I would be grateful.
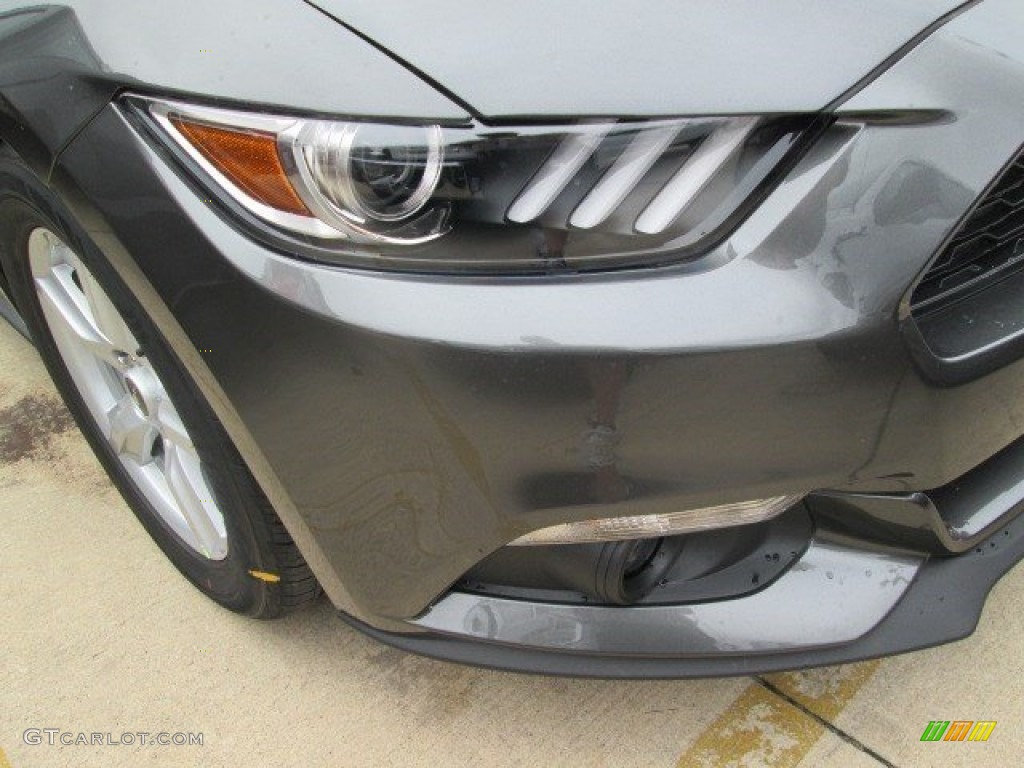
(141, 412)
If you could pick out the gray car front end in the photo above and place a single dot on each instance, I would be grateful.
(795, 440)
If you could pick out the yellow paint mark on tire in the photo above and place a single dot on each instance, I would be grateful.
(761, 728)
(264, 576)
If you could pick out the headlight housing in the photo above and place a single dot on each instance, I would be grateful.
(592, 195)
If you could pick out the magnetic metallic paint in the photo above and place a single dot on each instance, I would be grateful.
(454, 409)
(696, 57)
(446, 415)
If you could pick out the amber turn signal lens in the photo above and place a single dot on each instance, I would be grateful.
(248, 159)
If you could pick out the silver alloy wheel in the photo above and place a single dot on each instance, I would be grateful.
(124, 395)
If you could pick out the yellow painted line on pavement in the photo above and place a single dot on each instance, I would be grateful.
(758, 728)
(825, 691)
(4, 762)
(761, 728)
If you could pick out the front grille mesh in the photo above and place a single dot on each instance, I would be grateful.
(989, 246)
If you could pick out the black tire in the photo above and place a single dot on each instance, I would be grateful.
(257, 541)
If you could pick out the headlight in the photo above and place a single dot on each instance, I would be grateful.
(530, 199)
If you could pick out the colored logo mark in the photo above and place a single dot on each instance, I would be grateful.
(958, 730)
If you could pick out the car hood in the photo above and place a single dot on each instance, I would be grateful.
(545, 58)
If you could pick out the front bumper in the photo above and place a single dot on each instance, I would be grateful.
(943, 603)
(408, 426)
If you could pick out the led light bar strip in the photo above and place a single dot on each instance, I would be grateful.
(690, 180)
(655, 526)
(564, 163)
(631, 166)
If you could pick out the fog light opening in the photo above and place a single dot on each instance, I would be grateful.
(627, 570)
(639, 556)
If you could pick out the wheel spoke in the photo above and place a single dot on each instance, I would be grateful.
(187, 485)
(106, 319)
(171, 428)
(68, 315)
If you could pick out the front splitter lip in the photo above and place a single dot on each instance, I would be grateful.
(942, 604)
